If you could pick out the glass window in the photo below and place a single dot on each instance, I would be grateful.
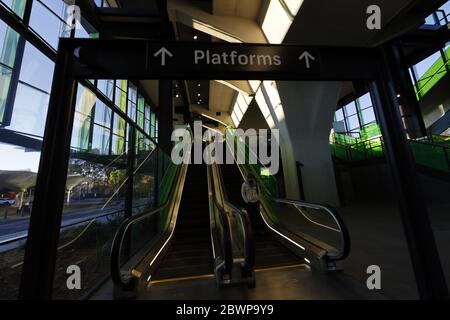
(132, 99)
(80, 132)
(339, 116)
(132, 93)
(147, 119)
(365, 101)
(428, 73)
(276, 23)
(152, 125)
(106, 87)
(17, 6)
(140, 113)
(367, 116)
(58, 7)
(353, 123)
(431, 20)
(118, 145)
(121, 94)
(85, 100)
(8, 40)
(102, 114)
(119, 125)
(425, 65)
(100, 140)
(30, 110)
(47, 24)
(37, 69)
(5, 80)
(350, 109)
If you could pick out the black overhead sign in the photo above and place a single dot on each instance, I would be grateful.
(231, 58)
(139, 59)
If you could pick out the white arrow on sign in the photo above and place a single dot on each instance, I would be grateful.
(163, 52)
(307, 57)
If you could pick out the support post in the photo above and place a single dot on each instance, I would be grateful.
(165, 124)
(415, 126)
(131, 156)
(43, 235)
(414, 214)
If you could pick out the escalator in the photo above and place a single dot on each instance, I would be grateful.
(268, 251)
(192, 238)
(202, 232)
(190, 254)
(298, 232)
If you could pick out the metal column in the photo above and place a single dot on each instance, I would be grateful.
(414, 213)
(414, 123)
(165, 119)
(43, 236)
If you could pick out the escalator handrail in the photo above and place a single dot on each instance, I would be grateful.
(345, 243)
(249, 243)
(117, 244)
(226, 239)
(116, 248)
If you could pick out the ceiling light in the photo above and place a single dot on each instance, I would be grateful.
(198, 94)
(195, 37)
(177, 95)
(198, 84)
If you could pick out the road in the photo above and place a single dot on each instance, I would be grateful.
(19, 227)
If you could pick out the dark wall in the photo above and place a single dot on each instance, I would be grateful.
(253, 118)
(374, 181)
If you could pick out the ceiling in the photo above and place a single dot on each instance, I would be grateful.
(319, 22)
(237, 8)
(326, 22)
(222, 97)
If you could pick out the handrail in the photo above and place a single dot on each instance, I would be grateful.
(249, 245)
(345, 243)
(116, 248)
(431, 143)
(226, 239)
(344, 249)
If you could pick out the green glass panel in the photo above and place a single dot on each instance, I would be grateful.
(436, 72)
(5, 80)
(153, 125)
(121, 94)
(140, 113)
(370, 131)
(431, 155)
(85, 102)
